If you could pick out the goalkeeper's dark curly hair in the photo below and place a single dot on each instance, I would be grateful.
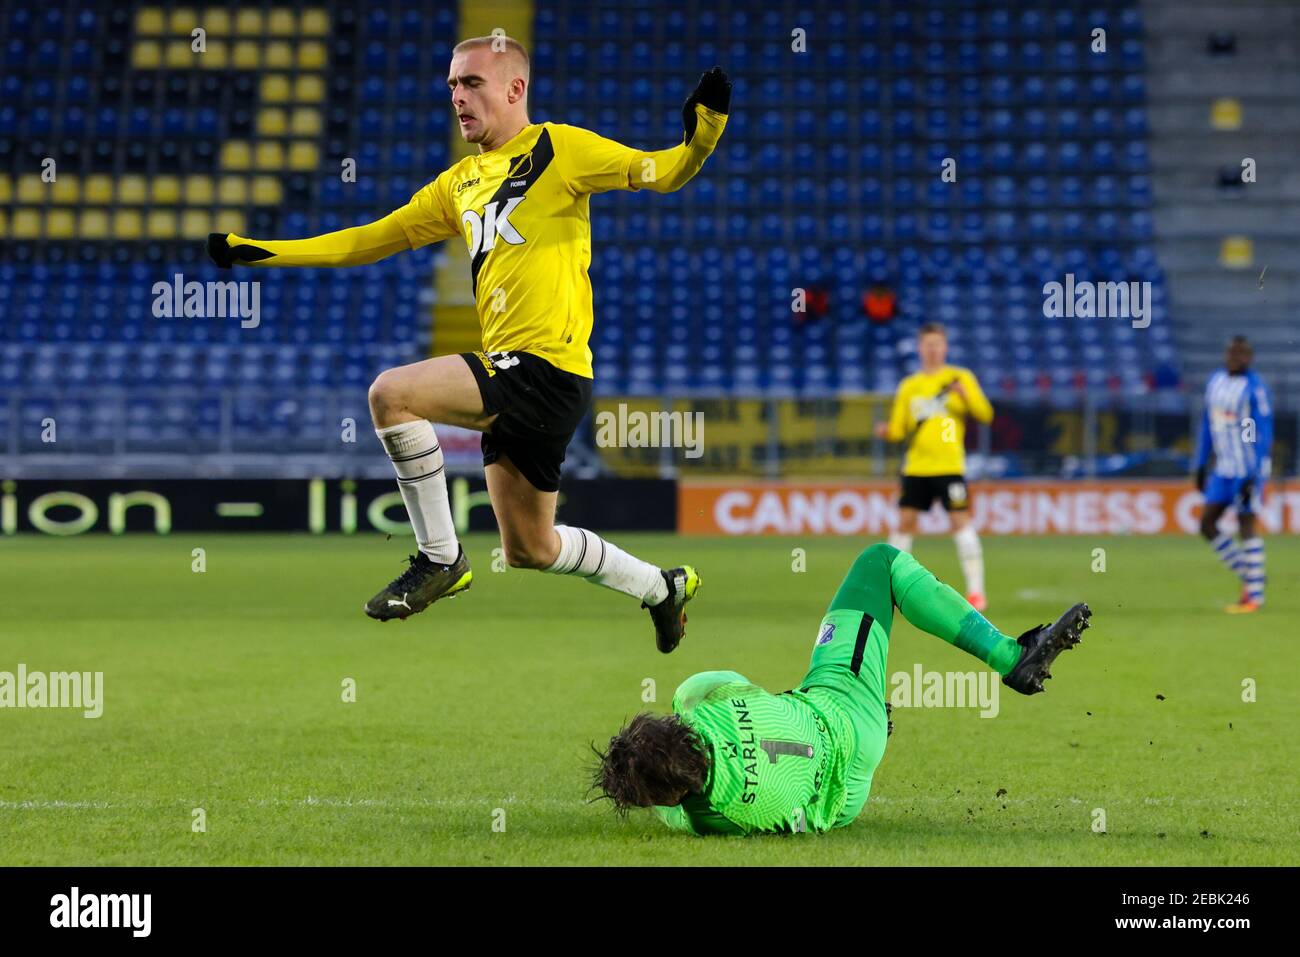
(654, 759)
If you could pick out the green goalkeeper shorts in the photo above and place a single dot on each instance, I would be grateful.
(847, 672)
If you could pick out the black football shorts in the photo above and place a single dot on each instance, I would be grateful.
(538, 409)
(920, 491)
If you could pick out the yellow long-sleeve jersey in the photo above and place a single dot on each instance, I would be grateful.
(930, 410)
(523, 210)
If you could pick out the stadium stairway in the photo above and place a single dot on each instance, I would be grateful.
(1231, 252)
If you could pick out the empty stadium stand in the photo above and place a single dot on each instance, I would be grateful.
(829, 177)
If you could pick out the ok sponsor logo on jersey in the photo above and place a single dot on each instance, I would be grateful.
(484, 229)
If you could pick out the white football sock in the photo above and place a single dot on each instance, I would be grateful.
(901, 540)
(1253, 549)
(589, 556)
(416, 455)
(1229, 554)
(971, 557)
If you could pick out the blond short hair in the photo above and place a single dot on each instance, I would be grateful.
(500, 43)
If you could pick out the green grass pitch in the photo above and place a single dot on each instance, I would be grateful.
(223, 691)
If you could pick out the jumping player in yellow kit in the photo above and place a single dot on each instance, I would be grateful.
(522, 207)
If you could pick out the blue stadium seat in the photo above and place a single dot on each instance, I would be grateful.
(1052, 161)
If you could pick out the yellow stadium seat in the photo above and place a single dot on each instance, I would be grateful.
(271, 122)
(184, 20)
(270, 156)
(4, 224)
(27, 224)
(228, 221)
(236, 155)
(149, 21)
(1236, 252)
(248, 23)
(146, 55)
(196, 224)
(267, 191)
(217, 23)
(131, 189)
(60, 224)
(306, 122)
(215, 57)
(94, 224)
(279, 55)
(180, 55)
(99, 189)
(6, 189)
(248, 55)
(65, 190)
(275, 88)
(127, 224)
(166, 190)
(309, 88)
(1225, 113)
(161, 224)
(232, 191)
(280, 23)
(303, 156)
(198, 190)
(314, 23)
(311, 55)
(31, 189)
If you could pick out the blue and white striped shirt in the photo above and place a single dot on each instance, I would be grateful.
(1237, 424)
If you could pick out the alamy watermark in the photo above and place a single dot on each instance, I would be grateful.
(129, 911)
(946, 689)
(179, 299)
(638, 429)
(54, 689)
(1084, 299)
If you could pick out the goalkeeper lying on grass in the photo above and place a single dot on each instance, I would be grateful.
(735, 759)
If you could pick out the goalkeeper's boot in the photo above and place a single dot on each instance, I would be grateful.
(423, 583)
(1041, 646)
(669, 615)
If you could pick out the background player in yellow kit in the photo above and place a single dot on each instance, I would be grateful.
(929, 414)
(521, 205)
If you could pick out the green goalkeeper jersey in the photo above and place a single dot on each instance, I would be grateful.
(778, 762)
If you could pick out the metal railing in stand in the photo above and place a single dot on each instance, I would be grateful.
(180, 432)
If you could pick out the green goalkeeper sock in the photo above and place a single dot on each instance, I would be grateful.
(937, 608)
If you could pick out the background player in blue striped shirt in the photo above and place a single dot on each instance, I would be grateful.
(1237, 426)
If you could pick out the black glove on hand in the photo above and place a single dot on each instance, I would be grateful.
(712, 92)
(219, 250)
(1200, 479)
(225, 255)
